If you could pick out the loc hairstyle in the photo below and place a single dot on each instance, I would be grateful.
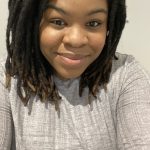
(26, 63)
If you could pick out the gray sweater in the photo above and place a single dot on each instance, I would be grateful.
(119, 119)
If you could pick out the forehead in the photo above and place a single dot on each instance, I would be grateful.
(83, 4)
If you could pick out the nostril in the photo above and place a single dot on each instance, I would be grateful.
(75, 40)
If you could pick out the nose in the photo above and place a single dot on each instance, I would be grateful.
(75, 37)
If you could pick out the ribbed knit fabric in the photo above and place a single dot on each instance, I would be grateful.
(119, 119)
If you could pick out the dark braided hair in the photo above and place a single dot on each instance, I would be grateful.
(26, 63)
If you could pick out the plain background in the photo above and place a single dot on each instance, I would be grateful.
(136, 35)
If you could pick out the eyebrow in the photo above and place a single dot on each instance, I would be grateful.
(99, 10)
(52, 6)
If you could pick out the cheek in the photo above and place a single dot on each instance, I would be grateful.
(48, 39)
(97, 42)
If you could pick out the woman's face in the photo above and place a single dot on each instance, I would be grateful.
(72, 34)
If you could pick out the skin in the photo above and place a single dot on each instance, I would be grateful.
(72, 37)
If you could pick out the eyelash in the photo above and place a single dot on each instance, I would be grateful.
(98, 23)
(60, 23)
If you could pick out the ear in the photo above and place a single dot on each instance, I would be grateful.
(107, 33)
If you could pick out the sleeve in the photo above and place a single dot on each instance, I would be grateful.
(5, 115)
(133, 110)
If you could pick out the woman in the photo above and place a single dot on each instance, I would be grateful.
(66, 87)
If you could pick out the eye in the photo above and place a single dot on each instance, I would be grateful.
(94, 24)
(57, 22)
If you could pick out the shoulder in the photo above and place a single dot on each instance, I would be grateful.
(2, 72)
(4, 91)
(128, 79)
(4, 97)
(123, 61)
(127, 65)
(10, 92)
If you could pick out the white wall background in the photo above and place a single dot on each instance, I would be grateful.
(3, 21)
(136, 35)
(135, 39)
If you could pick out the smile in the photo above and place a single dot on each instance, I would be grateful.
(71, 59)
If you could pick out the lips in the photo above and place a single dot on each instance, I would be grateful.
(72, 56)
(72, 59)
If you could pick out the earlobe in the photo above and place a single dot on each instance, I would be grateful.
(107, 33)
